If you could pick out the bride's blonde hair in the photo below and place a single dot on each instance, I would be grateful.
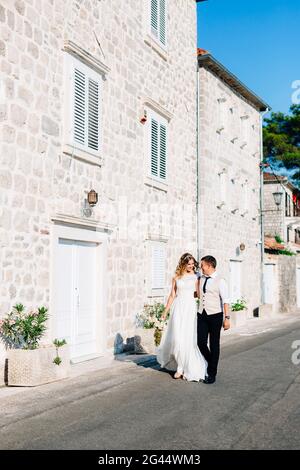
(183, 262)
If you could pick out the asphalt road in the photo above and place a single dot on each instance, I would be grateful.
(255, 404)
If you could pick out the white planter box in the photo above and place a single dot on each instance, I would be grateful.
(32, 367)
(238, 318)
(144, 341)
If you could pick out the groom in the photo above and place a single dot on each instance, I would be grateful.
(213, 314)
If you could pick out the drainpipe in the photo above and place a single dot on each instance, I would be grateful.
(261, 207)
(198, 165)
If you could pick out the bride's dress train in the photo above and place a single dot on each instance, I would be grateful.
(178, 350)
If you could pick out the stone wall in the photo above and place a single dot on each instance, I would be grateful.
(285, 280)
(274, 217)
(38, 180)
(229, 217)
(287, 283)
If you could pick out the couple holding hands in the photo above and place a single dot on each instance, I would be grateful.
(184, 344)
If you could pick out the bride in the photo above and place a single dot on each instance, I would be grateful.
(178, 350)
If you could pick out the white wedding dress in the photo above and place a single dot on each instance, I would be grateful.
(178, 350)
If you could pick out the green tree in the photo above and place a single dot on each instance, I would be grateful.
(281, 135)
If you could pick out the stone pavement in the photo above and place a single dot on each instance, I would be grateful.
(253, 405)
(253, 327)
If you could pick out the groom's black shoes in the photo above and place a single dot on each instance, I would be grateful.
(209, 379)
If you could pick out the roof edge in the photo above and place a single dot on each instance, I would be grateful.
(208, 60)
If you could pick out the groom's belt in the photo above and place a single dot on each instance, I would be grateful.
(204, 312)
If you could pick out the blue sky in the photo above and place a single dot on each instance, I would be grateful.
(257, 40)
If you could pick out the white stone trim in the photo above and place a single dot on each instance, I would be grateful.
(156, 238)
(90, 224)
(156, 183)
(85, 57)
(156, 46)
(83, 155)
(157, 108)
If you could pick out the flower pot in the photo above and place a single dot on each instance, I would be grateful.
(144, 341)
(239, 318)
(32, 367)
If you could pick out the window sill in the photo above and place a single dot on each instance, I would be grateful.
(157, 47)
(157, 293)
(83, 155)
(154, 183)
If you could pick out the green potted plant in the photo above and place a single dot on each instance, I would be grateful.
(239, 312)
(29, 362)
(238, 305)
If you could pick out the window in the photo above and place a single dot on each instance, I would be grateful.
(235, 280)
(234, 194)
(223, 188)
(287, 205)
(221, 114)
(84, 115)
(245, 189)
(244, 130)
(158, 146)
(158, 15)
(158, 262)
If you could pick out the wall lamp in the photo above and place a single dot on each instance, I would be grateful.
(89, 202)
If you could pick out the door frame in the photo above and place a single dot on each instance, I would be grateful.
(270, 263)
(298, 286)
(241, 277)
(88, 234)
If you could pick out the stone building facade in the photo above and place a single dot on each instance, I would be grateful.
(284, 219)
(282, 272)
(95, 94)
(229, 178)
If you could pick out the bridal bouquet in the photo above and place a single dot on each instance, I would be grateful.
(150, 316)
(159, 326)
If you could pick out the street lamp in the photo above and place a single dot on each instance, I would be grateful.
(277, 198)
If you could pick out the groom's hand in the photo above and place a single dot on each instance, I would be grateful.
(226, 324)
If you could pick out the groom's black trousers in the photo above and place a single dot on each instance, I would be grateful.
(210, 325)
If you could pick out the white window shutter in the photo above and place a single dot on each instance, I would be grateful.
(79, 106)
(158, 146)
(163, 152)
(162, 22)
(93, 115)
(154, 17)
(158, 266)
(154, 147)
(86, 107)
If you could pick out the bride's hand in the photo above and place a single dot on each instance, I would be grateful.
(164, 316)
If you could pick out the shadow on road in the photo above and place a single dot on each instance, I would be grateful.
(148, 361)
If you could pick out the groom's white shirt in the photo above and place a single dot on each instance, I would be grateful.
(223, 287)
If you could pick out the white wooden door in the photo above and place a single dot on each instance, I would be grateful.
(235, 280)
(269, 283)
(298, 286)
(85, 330)
(75, 296)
